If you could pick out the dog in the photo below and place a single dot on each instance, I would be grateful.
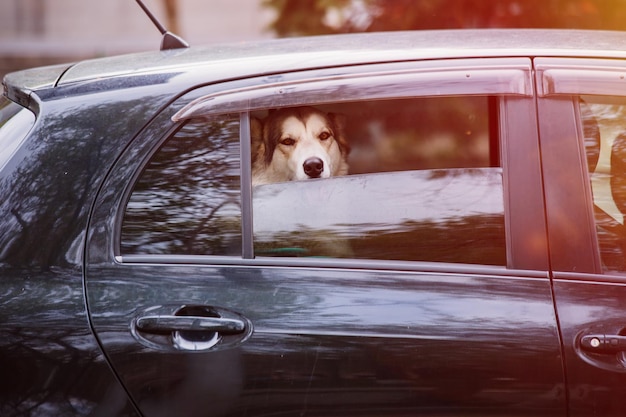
(298, 143)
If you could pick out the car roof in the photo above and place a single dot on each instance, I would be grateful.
(232, 61)
(335, 50)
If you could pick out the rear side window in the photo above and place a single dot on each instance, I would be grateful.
(423, 182)
(413, 179)
(15, 123)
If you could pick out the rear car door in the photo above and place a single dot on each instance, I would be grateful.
(582, 108)
(418, 283)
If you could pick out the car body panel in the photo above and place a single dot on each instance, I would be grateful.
(590, 304)
(19, 85)
(338, 341)
(335, 336)
(283, 55)
(52, 362)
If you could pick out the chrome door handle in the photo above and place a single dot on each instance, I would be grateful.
(159, 324)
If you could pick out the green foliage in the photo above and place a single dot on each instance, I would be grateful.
(315, 17)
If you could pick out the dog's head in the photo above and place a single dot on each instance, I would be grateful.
(303, 142)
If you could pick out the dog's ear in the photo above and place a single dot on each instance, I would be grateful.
(338, 122)
(271, 136)
(257, 146)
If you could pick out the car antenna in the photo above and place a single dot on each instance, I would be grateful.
(170, 40)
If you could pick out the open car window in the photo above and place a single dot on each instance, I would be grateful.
(423, 182)
(416, 179)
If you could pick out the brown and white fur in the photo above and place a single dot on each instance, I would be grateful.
(298, 143)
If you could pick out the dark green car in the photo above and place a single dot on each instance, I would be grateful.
(471, 261)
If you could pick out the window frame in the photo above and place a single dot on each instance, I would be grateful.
(476, 75)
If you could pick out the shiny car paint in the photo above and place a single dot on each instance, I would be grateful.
(322, 336)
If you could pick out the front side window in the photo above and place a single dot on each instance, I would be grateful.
(410, 179)
(604, 128)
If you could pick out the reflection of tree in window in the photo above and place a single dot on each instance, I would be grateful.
(187, 200)
(451, 215)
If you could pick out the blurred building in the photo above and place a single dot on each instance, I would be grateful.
(41, 32)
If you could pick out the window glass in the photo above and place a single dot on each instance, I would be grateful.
(15, 122)
(410, 179)
(187, 199)
(604, 128)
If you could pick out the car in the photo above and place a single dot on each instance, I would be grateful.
(470, 260)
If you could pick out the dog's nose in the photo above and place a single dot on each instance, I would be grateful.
(313, 167)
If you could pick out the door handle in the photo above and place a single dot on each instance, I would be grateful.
(190, 327)
(603, 343)
(161, 324)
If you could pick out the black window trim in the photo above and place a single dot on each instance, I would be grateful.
(437, 78)
(580, 76)
(245, 184)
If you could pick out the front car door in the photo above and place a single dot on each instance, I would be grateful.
(582, 108)
(417, 283)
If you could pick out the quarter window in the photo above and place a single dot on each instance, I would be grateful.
(15, 122)
(187, 199)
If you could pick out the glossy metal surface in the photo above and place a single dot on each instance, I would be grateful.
(330, 338)
(340, 341)
(270, 57)
(597, 381)
(324, 337)
(51, 362)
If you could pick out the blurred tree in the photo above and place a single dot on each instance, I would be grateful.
(171, 13)
(313, 17)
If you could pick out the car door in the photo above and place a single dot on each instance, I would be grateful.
(418, 283)
(582, 109)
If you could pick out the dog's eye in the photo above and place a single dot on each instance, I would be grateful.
(324, 135)
(288, 142)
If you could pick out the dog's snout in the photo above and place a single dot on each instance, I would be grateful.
(313, 167)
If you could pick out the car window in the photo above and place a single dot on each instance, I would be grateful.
(605, 144)
(15, 122)
(403, 179)
(187, 199)
(422, 180)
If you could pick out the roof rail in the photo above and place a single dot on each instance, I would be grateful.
(170, 40)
